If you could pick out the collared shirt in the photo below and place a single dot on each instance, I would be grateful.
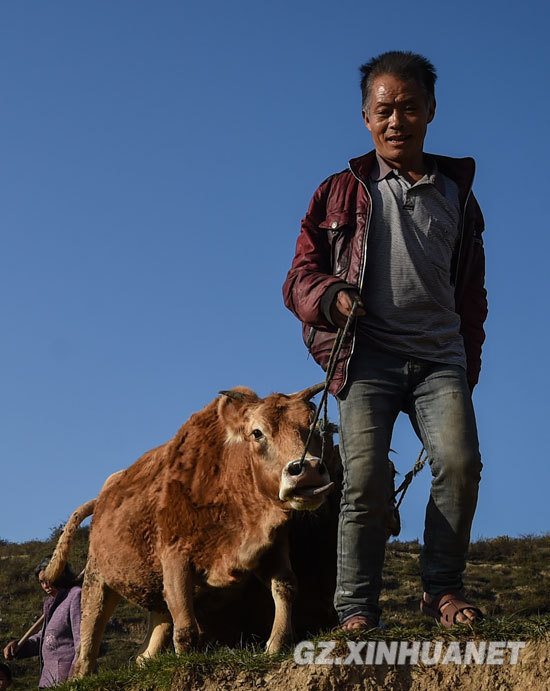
(408, 292)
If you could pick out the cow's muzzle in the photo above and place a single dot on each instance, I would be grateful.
(305, 483)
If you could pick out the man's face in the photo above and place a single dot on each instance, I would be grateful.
(397, 118)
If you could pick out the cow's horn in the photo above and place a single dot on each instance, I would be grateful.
(237, 395)
(310, 392)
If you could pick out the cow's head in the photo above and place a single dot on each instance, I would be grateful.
(271, 434)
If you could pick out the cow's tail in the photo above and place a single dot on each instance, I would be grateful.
(61, 552)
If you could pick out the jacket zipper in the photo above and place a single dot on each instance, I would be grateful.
(462, 228)
(362, 273)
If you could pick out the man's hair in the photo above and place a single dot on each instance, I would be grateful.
(403, 65)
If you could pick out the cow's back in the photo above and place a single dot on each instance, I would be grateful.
(173, 493)
(124, 530)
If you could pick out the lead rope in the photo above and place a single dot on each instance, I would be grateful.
(331, 368)
(417, 467)
(323, 403)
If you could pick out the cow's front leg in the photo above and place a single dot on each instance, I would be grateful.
(276, 572)
(178, 594)
(283, 590)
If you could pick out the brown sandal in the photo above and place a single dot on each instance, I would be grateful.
(447, 607)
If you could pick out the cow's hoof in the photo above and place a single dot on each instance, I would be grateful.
(276, 643)
(185, 639)
(81, 670)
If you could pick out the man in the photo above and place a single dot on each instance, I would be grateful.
(400, 232)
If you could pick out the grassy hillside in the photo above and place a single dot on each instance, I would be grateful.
(21, 601)
(509, 578)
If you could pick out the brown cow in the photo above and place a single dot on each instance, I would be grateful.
(200, 513)
(245, 614)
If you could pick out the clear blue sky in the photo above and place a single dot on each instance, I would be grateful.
(156, 160)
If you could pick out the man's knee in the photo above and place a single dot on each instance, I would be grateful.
(465, 464)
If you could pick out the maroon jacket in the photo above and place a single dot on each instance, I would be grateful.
(332, 251)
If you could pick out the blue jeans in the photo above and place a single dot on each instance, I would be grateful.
(438, 402)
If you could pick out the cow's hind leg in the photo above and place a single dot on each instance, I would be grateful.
(98, 603)
(158, 636)
(178, 595)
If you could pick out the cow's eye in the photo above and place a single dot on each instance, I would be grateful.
(257, 434)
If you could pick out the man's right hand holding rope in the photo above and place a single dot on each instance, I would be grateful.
(342, 304)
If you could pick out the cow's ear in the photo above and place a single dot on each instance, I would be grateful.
(231, 411)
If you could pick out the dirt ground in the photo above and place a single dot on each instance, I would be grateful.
(532, 673)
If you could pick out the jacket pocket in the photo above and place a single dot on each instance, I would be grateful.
(340, 227)
(338, 219)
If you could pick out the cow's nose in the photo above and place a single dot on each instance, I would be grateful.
(294, 468)
(297, 467)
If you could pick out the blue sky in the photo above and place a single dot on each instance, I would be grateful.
(156, 160)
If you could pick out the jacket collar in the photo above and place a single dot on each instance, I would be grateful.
(461, 170)
(53, 601)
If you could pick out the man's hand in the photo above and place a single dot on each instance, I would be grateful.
(10, 651)
(342, 304)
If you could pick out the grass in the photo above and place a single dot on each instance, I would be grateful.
(509, 578)
(170, 671)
